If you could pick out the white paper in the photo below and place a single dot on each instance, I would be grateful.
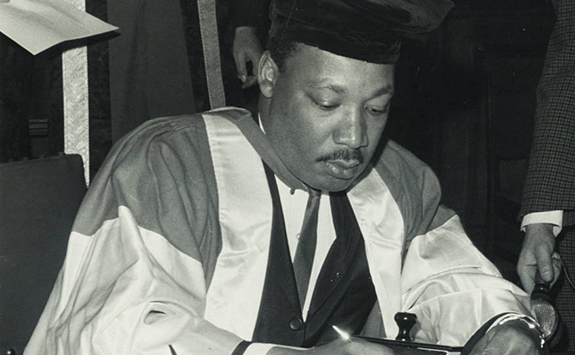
(38, 25)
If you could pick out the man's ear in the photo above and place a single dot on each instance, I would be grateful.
(268, 73)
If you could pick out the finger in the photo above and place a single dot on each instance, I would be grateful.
(240, 61)
(557, 266)
(254, 57)
(528, 283)
(251, 80)
(526, 271)
(543, 255)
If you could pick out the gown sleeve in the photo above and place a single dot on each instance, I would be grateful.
(141, 253)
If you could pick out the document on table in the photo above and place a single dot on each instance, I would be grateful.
(38, 25)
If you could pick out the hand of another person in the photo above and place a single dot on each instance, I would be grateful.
(247, 48)
(353, 346)
(538, 253)
(511, 338)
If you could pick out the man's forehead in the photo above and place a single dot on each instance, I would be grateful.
(320, 69)
(382, 88)
(318, 59)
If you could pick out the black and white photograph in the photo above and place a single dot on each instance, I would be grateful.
(287, 177)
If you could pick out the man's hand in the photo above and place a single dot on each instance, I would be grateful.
(353, 346)
(510, 338)
(538, 253)
(247, 48)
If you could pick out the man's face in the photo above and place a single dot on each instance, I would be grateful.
(324, 114)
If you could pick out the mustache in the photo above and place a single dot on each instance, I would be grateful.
(343, 154)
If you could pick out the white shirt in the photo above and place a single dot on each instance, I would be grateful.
(294, 203)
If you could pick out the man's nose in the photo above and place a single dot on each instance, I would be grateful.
(352, 131)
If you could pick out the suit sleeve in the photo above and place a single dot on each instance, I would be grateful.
(550, 182)
(140, 255)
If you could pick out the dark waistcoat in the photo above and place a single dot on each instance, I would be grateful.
(343, 296)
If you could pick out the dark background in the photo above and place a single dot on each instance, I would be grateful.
(465, 98)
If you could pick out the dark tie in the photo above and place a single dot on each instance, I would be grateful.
(305, 251)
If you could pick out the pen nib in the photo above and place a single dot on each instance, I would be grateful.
(344, 335)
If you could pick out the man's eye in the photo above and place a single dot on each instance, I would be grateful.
(377, 111)
(325, 106)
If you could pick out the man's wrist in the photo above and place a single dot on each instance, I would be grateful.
(544, 226)
(526, 323)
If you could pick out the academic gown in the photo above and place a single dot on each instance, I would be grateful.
(170, 248)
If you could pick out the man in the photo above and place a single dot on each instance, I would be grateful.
(549, 195)
(204, 235)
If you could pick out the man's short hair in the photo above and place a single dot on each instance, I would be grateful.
(281, 49)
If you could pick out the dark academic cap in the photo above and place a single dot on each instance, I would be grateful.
(369, 30)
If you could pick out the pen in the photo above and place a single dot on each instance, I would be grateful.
(344, 335)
